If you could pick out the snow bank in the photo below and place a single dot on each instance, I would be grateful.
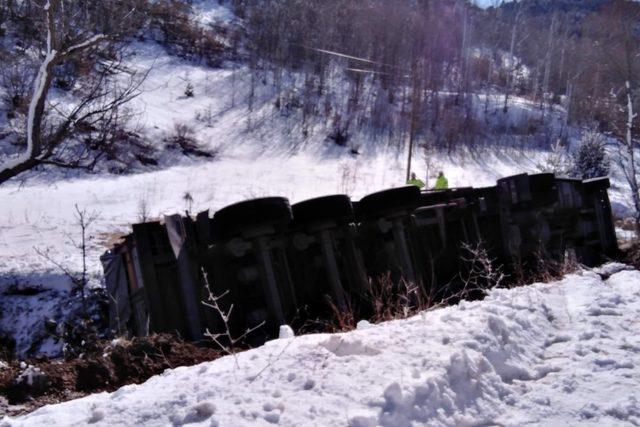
(552, 354)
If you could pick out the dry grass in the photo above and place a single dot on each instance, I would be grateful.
(543, 268)
(395, 300)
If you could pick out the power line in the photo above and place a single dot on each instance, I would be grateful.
(344, 55)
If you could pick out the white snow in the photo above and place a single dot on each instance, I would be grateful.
(212, 13)
(564, 353)
(259, 153)
(28, 375)
(23, 318)
(286, 332)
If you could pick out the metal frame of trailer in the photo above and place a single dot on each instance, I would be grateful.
(271, 263)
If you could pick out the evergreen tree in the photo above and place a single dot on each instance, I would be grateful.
(590, 160)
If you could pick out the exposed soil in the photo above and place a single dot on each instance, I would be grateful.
(626, 224)
(632, 254)
(118, 363)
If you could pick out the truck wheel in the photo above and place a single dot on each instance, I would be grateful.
(232, 220)
(381, 203)
(329, 208)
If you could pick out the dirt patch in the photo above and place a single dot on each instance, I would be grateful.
(632, 254)
(627, 224)
(118, 363)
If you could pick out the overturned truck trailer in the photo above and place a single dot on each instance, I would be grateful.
(268, 263)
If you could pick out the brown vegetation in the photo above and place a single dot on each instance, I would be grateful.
(111, 366)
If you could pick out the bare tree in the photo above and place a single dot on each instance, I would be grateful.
(619, 53)
(101, 97)
(547, 64)
(626, 159)
(225, 340)
(84, 220)
(512, 61)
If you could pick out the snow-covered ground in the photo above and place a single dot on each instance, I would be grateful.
(563, 353)
(259, 153)
(555, 354)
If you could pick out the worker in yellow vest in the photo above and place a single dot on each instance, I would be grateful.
(442, 183)
(415, 181)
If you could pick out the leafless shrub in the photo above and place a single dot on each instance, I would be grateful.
(556, 160)
(206, 116)
(339, 320)
(395, 300)
(481, 272)
(183, 132)
(143, 209)
(544, 268)
(84, 220)
(173, 25)
(388, 301)
(16, 75)
(183, 137)
(348, 175)
(189, 90)
(225, 339)
(342, 320)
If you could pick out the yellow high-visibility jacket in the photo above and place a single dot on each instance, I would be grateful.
(418, 183)
(442, 183)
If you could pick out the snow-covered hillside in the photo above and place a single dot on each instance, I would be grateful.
(257, 153)
(563, 353)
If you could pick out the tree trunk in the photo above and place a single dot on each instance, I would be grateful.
(514, 33)
(631, 173)
(415, 102)
(547, 64)
(29, 158)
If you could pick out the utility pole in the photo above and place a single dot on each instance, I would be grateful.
(415, 98)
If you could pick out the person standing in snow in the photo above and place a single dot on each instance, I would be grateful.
(415, 181)
(441, 183)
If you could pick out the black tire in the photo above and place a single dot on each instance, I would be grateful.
(329, 208)
(379, 204)
(232, 220)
